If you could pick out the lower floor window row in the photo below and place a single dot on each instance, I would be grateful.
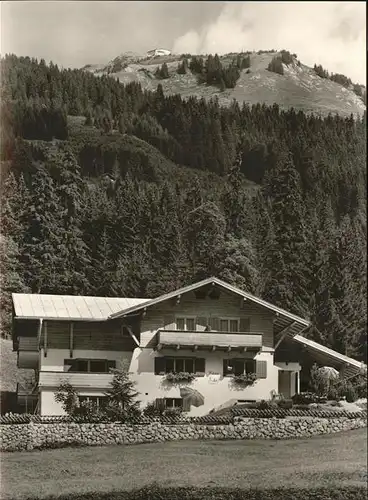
(99, 401)
(172, 404)
(235, 366)
(176, 365)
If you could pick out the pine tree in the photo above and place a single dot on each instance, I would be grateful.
(40, 248)
(204, 232)
(122, 396)
(73, 250)
(282, 185)
(11, 281)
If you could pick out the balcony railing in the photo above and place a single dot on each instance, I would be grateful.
(28, 344)
(78, 380)
(211, 340)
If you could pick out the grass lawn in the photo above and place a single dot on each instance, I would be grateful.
(339, 460)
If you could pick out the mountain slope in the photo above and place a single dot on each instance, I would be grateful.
(299, 87)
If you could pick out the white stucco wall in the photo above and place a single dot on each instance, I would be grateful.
(215, 389)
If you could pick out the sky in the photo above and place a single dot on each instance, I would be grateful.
(75, 33)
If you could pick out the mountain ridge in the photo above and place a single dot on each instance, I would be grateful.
(300, 87)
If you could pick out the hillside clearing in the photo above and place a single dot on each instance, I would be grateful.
(10, 374)
(333, 460)
(300, 87)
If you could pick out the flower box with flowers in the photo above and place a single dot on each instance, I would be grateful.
(246, 379)
(180, 377)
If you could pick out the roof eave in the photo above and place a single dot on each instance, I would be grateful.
(328, 353)
(220, 283)
(48, 318)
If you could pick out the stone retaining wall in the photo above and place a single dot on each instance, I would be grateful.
(17, 437)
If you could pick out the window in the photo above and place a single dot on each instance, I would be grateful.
(175, 365)
(97, 366)
(234, 327)
(190, 324)
(180, 323)
(99, 401)
(173, 403)
(89, 365)
(229, 325)
(186, 324)
(239, 366)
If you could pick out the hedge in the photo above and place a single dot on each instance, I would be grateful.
(154, 492)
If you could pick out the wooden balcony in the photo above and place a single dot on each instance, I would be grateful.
(78, 380)
(209, 340)
(28, 354)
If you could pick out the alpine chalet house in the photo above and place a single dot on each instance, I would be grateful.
(210, 329)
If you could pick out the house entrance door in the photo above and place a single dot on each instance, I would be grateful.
(285, 383)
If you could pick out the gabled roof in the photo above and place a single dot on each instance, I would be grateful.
(222, 284)
(69, 307)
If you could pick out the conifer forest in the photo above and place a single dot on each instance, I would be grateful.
(111, 190)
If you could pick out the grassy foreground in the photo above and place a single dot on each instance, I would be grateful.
(323, 461)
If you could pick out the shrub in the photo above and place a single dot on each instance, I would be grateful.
(152, 410)
(285, 403)
(264, 405)
(68, 397)
(305, 398)
(173, 413)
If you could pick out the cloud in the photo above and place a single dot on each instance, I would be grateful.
(74, 33)
(329, 33)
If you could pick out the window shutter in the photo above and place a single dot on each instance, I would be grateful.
(111, 364)
(244, 325)
(160, 404)
(200, 365)
(169, 323)
(186, 404)
(201, 323)
(214, 323)
(261, 369)
(160, 365)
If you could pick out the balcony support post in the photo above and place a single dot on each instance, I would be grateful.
(45, 341)
(71, 339)
(130, 331)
